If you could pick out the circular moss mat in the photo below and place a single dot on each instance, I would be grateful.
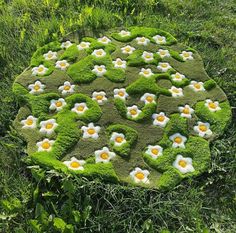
(131, 106)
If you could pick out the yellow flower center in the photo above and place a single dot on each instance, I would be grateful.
(197, 85)
(155, 151)
(182, 163)
(133, 112)
(139, 175)
(91, 131)
(119, 63)
(177, 76)
(175, 90)
(83, 44)
(203, 128)
(186, 111)
(99, 53)
(40, 69)
(178, 140)
(58, 104)
(104, 39)
(119, 139)
(75, 164)
(67, 88)
(142, 39)
(80, 108)
(99, 97)
(146, 72)
(160, 38)
(100, 69)
(148, 56)
(164, 65)
(121, 93)
(36, 87)
(162, 52)
(104, 155)
(29, 122)
(186, 54)
(212, 105)
(49, 126)
(63, 64)
(127, 49)
(49, 55)
(149, 98)
(46, 145)
(160, 118)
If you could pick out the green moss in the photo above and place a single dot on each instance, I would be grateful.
(71, 53)
(177, 124)
(38, 59)
(20, 93)
(135, 59)
(143, 85)
(146, 113)
(209, 84)
(175, 55)
(218, 120)
(93, 113)
(146, 32)
(81, 72)
(131, 136)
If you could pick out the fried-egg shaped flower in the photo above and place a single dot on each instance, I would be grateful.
(48, 126)
(29, 123)
(104, 155)
(163, 66)
(99, 70)
(196, 86)
(184, 165)
(124, 33)
(83, 45)
(118, 138)
(62, 65)
(139, 175)
(118, 63)
(148, 98)
(202, 129)
(133, 111)
(67, 88)
(186, 111)
(120, 93)
(100, 97)
(147, 57)
(142, 40)
(154, 151)
(177, 77)
(127, 49)
(187, 55)
(57, 105)
(178, 140)
(45, 145)
(160, 119)
(66, 44)
(163, 53)
(75, 164)
(36, 88)
(159, 39)
(176, 92)
(91, 131)
(146, 72)
(104, 40)
(39, 70)
(212, 106)
(50, 55)
(99, 53)
(80, 108)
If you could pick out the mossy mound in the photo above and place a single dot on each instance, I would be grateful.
(133, 106)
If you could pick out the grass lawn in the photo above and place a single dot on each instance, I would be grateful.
(51, 202)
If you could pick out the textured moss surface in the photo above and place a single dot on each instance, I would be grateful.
(112, 116)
